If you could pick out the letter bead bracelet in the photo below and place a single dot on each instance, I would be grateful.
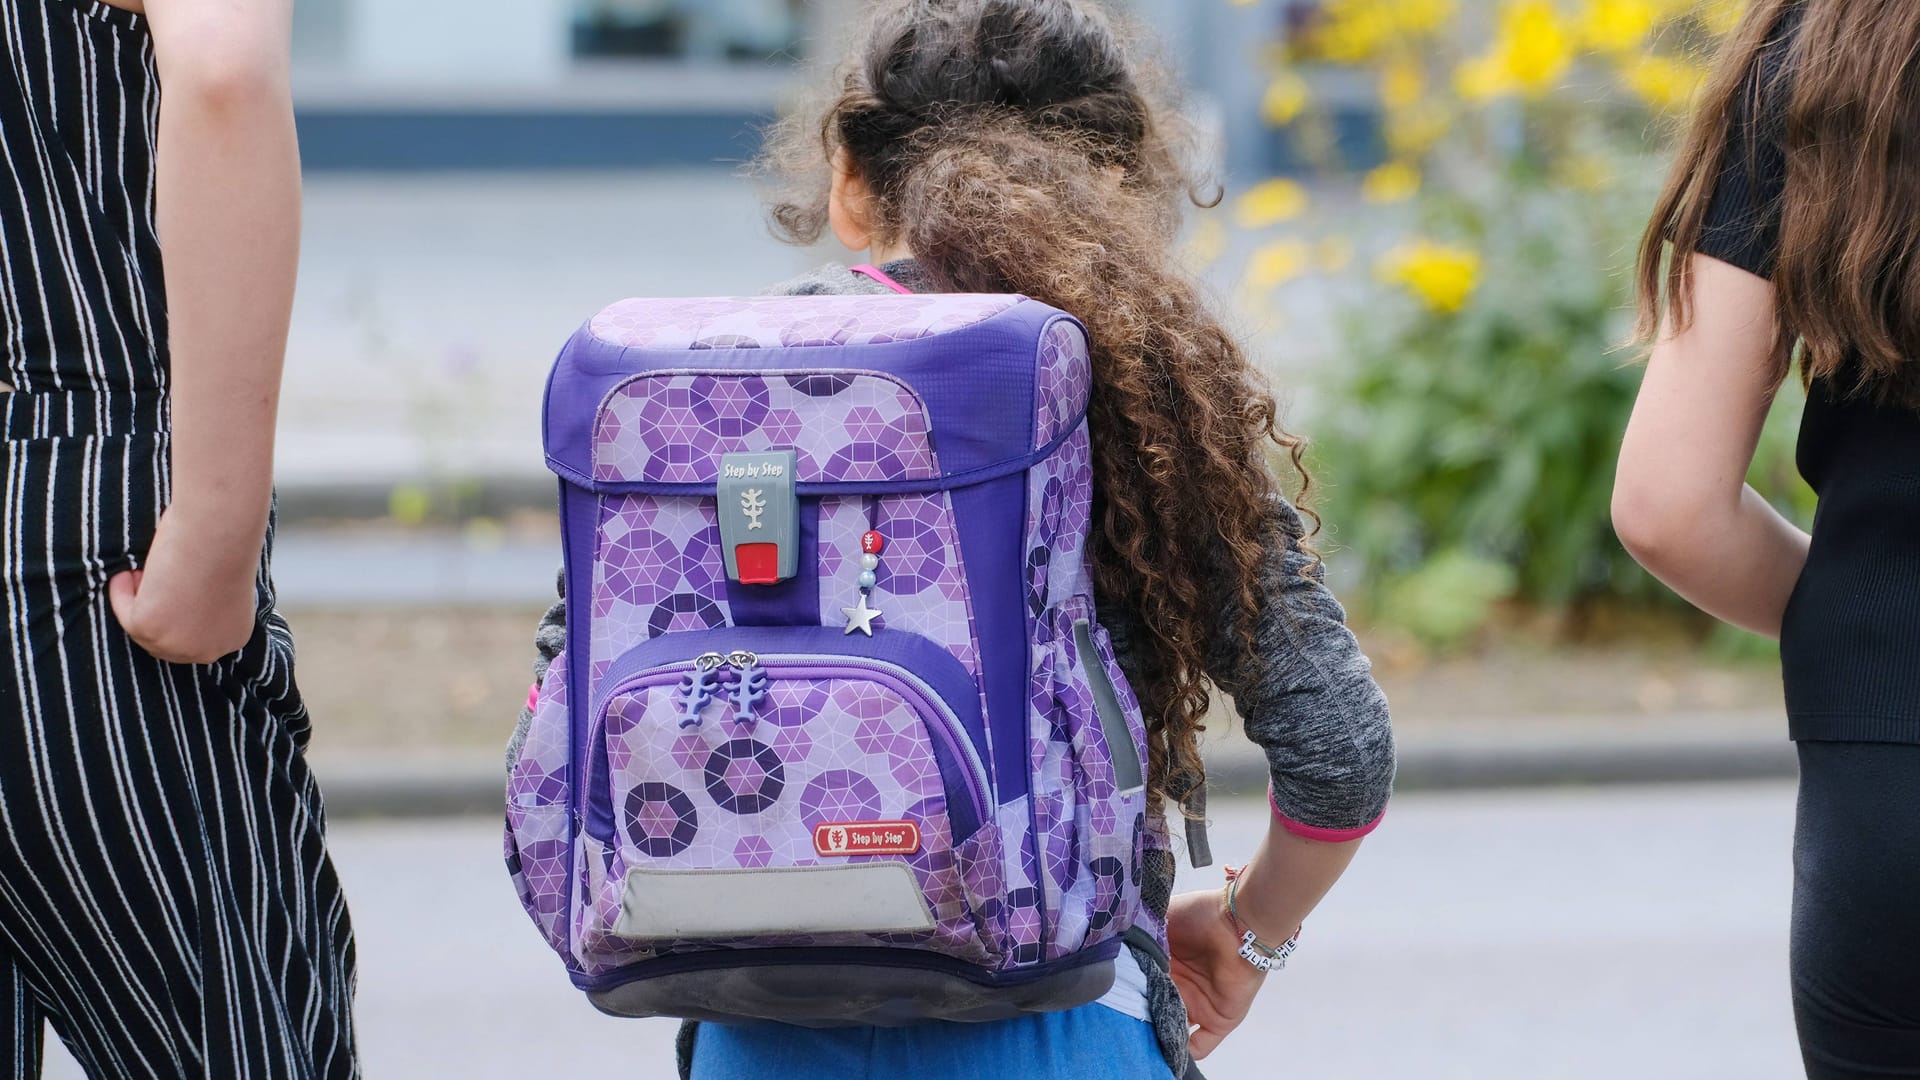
(1254, 951)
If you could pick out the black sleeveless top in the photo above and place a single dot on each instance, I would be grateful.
(82, 301)
(1850, 645)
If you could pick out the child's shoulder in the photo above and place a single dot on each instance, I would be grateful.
(830, 279)
(837, 279)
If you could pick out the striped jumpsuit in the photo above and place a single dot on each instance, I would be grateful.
(166, 899)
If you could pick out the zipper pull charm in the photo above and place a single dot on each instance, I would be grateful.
(750, 689)
(699, 686)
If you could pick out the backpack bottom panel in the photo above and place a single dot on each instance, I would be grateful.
(828, 994)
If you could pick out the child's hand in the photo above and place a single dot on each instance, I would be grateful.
(1217, 985)
(194, 601)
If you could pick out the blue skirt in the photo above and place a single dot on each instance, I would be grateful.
(1092, 1042)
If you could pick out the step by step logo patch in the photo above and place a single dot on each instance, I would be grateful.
(866, 838)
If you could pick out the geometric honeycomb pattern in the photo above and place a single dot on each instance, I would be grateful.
(744, 777)
(723, 795)
(1017, 901)
(539, 776)
(1059, 509)
(767, 322)
(1041, 877)
(660, 569)
(921, 585)
(657, 569)
(1079, 818)
(538, 834)
(660, 819)
(674, 428)
(1127, 824)
(1065, 378)
(599, 883)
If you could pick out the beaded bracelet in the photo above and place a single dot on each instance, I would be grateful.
(1254, 951)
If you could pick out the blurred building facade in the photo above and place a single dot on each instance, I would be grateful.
(575, 84)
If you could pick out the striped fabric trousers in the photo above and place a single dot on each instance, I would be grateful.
(166, 900)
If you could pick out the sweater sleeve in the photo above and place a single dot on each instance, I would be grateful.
(1308, 697)
(549, 639)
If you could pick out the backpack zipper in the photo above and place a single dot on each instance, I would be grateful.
(948, 733)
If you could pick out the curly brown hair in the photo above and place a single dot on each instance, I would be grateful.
(1015, 146)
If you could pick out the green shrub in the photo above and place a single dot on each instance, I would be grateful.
(1484, 431)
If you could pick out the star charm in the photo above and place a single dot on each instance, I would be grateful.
(861, 617)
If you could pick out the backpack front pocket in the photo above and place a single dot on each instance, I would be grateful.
(787, 786)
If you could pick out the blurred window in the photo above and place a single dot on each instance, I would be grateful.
(702, 30)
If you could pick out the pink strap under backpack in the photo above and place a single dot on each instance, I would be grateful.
(880, 276)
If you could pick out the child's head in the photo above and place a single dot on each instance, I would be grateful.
(942, 84)
(1016, 146)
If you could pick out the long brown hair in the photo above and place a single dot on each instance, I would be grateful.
(1847, 275)
(1015, 146)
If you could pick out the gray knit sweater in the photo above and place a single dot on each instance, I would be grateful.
(1308, 699)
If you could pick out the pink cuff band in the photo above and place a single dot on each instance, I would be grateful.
(1325, 836)
(533, 696)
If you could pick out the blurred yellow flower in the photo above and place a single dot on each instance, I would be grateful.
(1537, 48)
(1617, 26)
(1531, 52)
(1412, 131)
(1285, 99)
(1482, 79)
(1334, 254)
(1350, 30)
(1422, 16)
(1720, 16)
(1587, 172)
(1275, 264)
(1354, 30)
(1441, 276)
(1663, 82)
(1396, 181)
(1271, 202)
(1402, 82)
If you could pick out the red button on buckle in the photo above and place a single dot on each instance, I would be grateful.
(759, 564)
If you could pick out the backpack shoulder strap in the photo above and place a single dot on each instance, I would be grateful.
(880, 276)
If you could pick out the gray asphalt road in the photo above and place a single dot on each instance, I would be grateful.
(1626, 932)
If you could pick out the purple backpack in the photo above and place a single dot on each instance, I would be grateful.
(836, 737)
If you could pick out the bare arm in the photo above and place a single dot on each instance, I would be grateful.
(1681, 503)
(229, 219)
(1286, 880)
